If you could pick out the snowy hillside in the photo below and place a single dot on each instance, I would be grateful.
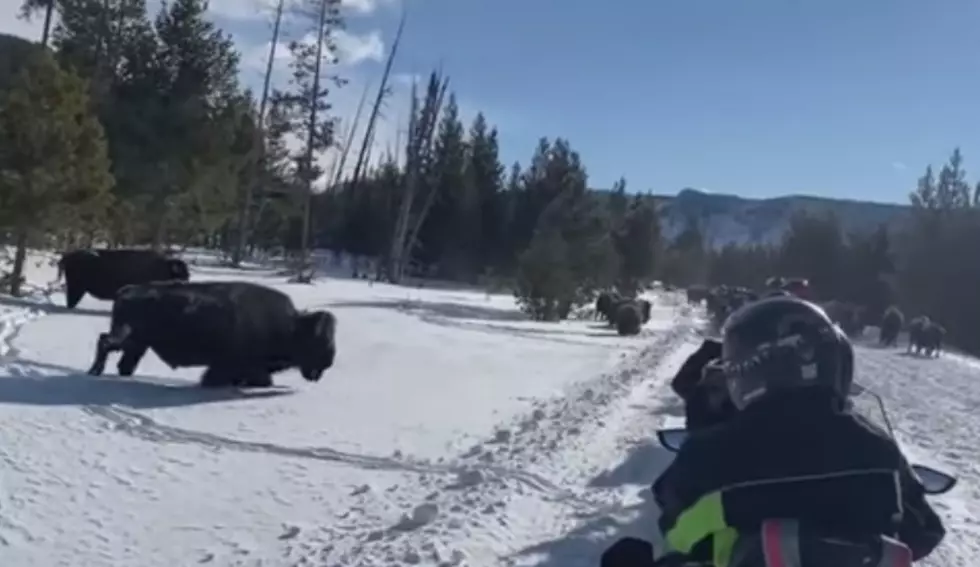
(732, 219)
(450, 432)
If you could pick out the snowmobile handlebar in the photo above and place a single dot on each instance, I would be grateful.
(934, 481)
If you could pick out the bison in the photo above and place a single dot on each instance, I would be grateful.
(926, 337)
(915, 328)
(605, 305)
(645, 309)
(102, 273)
(697, 293)
(629, 318)
(891, 324)
(242, 332)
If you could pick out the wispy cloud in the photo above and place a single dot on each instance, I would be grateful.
(261, 9)
(899, 166)
(352, 50)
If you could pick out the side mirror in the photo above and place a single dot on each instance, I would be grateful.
(672, 439)
(935, 482)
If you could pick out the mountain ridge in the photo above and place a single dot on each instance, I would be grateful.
(733, 219)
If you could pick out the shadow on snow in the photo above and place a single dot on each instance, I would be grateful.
(583, 546)
(27, 385)
(51, 308)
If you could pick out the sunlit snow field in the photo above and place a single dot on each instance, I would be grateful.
(451, 431)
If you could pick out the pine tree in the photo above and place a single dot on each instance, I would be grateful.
(307, 102)
(637, 240)
(484, 176)
(444, 236)
(52, 153)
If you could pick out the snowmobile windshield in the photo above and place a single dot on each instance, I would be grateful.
(869, 405)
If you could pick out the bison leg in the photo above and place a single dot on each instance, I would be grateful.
(107, 344)
(256, 379)
(222, 376)
(73, 295)
(130, 359)
(218, 376)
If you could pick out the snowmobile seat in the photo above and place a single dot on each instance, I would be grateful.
(782, 543)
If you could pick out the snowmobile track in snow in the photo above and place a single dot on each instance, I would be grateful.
(138, 425)
(429, 531)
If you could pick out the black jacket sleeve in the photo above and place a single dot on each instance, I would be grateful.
(921, 529)
(687, 378)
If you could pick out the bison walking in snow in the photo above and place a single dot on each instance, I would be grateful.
(891, 324)
(926, 336)
(102, 273)
(242, 332)
(605, 305)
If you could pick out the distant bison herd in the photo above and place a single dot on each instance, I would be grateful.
(925, 336)
(242, 333)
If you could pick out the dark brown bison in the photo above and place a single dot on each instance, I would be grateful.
(605, 305)
(629, 318)
(915, 329)
(645, 309)
(242, 332)
(891, 325)
(102, 273)
(926, 337)
(697, 293)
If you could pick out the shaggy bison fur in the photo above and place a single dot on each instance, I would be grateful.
(605, 305)
(915, 328)
(102, 273)
(697, 293)
(891, 324)
(242, 332)
(645, 308)
(926, 337)
(629, 318)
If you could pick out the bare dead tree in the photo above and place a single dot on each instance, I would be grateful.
(337, 169)
(422, 126)
(252, 185)
(383, 93)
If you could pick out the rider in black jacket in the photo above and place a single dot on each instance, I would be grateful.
(793, 450)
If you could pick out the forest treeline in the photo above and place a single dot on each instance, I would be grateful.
(129, 128)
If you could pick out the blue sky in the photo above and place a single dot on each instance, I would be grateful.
(848, 98)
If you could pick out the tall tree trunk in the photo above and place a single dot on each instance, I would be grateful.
(48, 16)
(251, 184)
(20, 257)
(311, 137)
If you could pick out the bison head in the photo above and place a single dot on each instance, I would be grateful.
(178, 269)
(316, 341)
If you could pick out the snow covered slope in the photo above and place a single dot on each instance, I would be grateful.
(450, 432)
(731, 219)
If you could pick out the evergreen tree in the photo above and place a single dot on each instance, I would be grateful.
(484, 177)
(444, 234)
(637, 242)
(52, 154)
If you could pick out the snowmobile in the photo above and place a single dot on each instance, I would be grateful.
(884, 552)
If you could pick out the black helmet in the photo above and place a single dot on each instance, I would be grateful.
(781, 343)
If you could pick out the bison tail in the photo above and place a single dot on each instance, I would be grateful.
(61, 269)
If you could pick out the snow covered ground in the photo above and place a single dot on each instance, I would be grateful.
(451, 431)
